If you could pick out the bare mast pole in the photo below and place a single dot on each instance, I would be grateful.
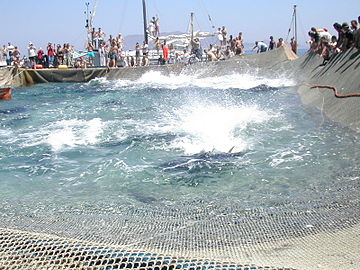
(295, 27)
(145, 22)
(88, 23)
(192, 25)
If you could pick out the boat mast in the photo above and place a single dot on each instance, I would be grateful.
(145, 22)
(88, 23)
(295, 27)
(192, 25)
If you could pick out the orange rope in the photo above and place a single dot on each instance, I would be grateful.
(336, 91)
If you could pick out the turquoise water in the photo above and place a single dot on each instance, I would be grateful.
(236, 142)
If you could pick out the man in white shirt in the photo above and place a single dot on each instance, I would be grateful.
(261, 46)
(32, 53)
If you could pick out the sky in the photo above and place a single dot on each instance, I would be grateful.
(42, 21)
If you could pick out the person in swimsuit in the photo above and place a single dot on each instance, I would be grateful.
(90, 54)
(272, 43)
(155, 22)
(114, 51)
(293, 45)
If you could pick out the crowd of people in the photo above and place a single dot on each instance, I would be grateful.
(52, 56)
(326, 44)
(111, 50)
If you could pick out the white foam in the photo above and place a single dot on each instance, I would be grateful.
(74, 132)
(156, 79)
(214, 128)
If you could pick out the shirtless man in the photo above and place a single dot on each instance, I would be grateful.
(101, 37)
(157, 45)
(210, 55)
(231, 43)
(114, 52)
(16, 56)
(280, 43)
(241, 40)
(94, 37)
(293, 45)
(155, 22)
(272, 43)
(239, 47)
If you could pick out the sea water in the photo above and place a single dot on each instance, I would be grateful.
(228, 144)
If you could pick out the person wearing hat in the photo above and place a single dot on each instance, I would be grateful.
(32, 53)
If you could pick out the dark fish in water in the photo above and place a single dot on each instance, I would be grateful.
(201, 160)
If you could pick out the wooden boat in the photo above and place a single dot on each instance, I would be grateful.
(5, 93)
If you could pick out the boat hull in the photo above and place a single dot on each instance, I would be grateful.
(5, 93)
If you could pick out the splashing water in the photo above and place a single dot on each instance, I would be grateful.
(236, 138)
(155, 79)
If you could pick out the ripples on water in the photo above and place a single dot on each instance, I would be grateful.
(235, 138)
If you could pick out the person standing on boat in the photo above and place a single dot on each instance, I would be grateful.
(231, 43)
(166, 52)
(224, 34)
(101, 37)
(239, 50)
(272, 43)
(103, 54)
(241, 40)
(90, 54)
(60, 55)
(94, 37)
(145, 48)
(220, 36)
(196, 48)
(114, 56)
(3, 54)
(157, 45)
(10, 49)
(50, 54)
(32, 53)
(293, 45)
(155, 22)
(40, 56)
(348, 37)
(120, 42)
(137, 53)
(16, 56)
(261, 47)
(280, 43)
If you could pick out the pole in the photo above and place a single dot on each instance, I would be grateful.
(145, 22)
(192, 25)
(295, 28)
(88, 23)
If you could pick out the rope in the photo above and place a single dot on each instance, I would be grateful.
(291, 24)
(336, 91)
